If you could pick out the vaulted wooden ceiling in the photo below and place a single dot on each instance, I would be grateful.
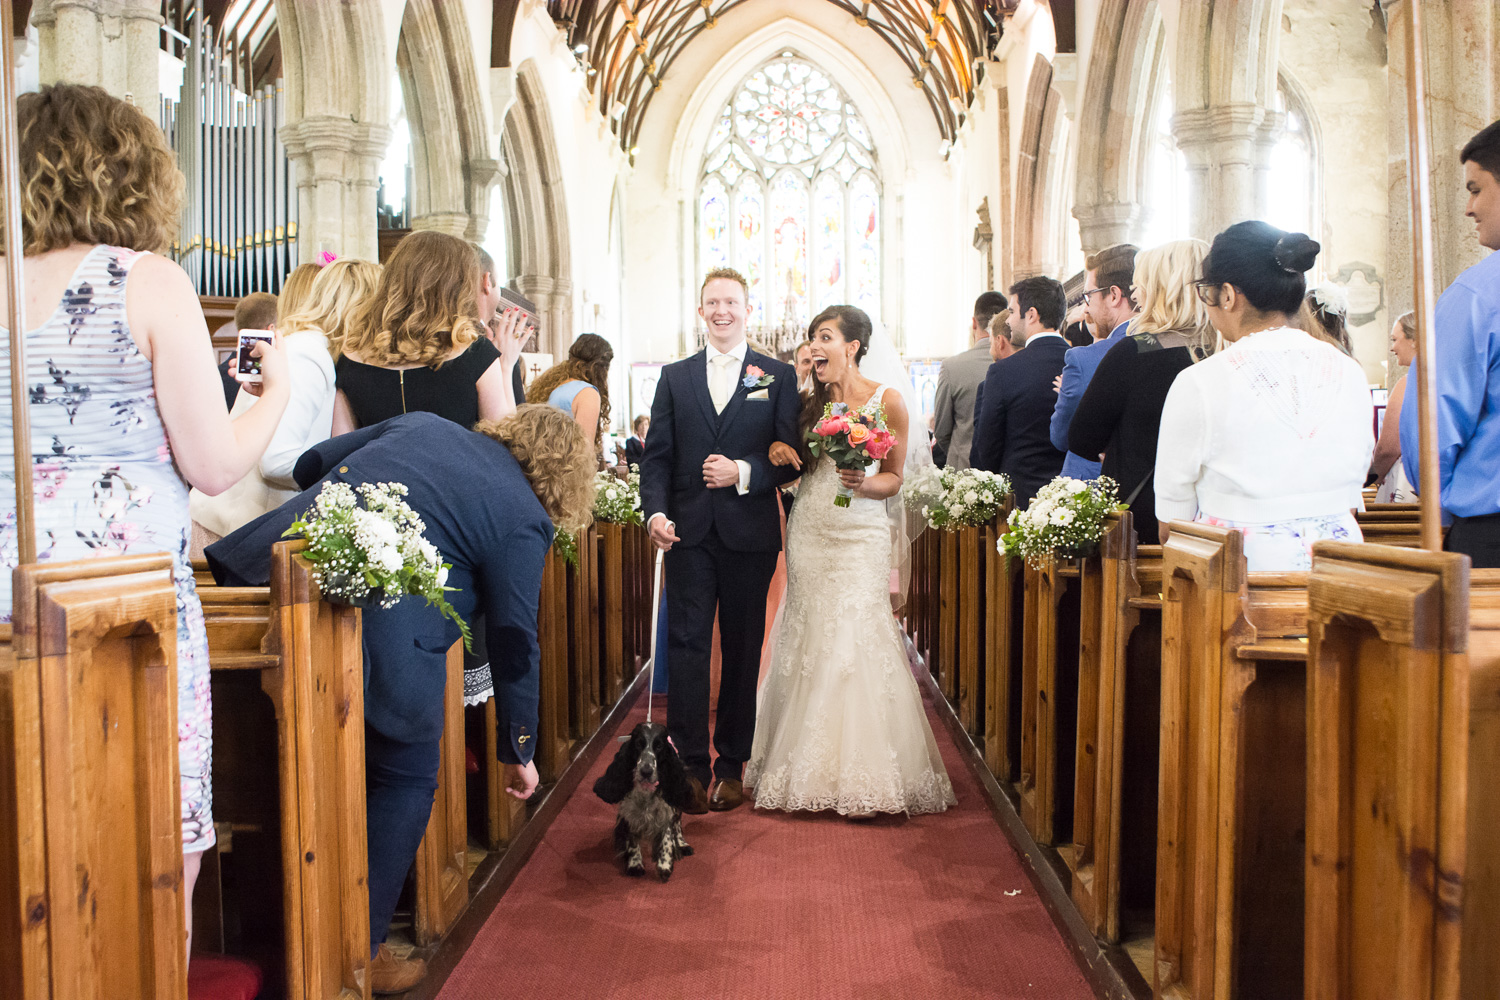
(629, 46)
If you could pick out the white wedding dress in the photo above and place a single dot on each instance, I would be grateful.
(840, 723)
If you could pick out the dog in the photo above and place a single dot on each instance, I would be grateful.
(649, 784)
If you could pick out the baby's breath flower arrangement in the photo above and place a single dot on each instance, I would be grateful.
(952, 498)
(375, 553)
(1066, 517)
(617, 501)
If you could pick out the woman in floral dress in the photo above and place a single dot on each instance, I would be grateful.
(126, 407)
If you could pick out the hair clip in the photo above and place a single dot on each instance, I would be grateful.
(327, 257)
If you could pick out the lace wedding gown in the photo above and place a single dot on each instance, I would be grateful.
(840, 724)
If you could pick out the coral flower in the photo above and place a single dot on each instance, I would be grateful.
(859, 434)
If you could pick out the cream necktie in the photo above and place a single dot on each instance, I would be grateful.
(719, 388)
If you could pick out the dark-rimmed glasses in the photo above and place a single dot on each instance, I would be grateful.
(1208, 291)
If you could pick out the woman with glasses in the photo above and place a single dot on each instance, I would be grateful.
(1120, 412)
(1273, 435)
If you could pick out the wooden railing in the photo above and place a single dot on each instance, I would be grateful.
(1146, 714)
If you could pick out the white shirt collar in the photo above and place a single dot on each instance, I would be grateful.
(1045, 333)
(737, 351)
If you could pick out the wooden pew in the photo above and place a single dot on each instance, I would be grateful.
(441, 869)
(1055, 593)
(1403, 888)
(90, 819)
(1397, 524)
(1113, 852)
(1000, 667)
(1233, 772)
(307, 657)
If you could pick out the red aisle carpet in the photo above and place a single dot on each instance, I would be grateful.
(775, 905)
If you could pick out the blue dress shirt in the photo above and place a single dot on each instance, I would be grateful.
(1467, 332)
(1079, 365)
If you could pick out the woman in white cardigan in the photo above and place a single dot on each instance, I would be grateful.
(311, 335)
(1273, 435)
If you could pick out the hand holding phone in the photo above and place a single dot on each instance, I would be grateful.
(247, 358)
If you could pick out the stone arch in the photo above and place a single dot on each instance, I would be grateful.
(1041, 173)
(1115, 123)
(452, 166)
(335, 58)
(537, 223)
(1226, 121)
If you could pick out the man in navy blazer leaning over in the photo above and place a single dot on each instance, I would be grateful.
(708, 490)
(489, 509)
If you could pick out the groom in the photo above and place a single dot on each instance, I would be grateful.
(710, 493)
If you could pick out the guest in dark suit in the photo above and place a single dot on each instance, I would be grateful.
(1013, 432)
(489, 503)
(708, 489)
(635, 445)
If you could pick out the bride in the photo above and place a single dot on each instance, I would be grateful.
(841, 724)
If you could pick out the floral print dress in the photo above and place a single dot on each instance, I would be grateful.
(105, 484)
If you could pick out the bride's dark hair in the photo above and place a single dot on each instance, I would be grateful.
(854, 324)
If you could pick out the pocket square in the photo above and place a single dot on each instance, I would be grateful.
(760, 394)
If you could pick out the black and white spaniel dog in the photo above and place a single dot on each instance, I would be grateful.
(648, 782)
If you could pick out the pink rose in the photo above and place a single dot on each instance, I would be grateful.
(754, 371)
(859, 434)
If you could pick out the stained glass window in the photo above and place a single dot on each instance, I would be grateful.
(790, 196)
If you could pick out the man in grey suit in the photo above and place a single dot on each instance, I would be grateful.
(959, 380)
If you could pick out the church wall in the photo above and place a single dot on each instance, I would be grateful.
(1336, 53)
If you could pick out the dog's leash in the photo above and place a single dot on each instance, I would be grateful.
(655, 612)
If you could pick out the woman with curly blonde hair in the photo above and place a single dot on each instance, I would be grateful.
(1120, 412)
(418, 343)
(127, 410)
(579, 386)
(311, 335)
(489, 501)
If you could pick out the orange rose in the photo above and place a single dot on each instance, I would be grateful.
(858, 434)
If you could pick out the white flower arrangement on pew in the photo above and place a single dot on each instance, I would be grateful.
(618, 501)
(373, 554)
(952, 498)
(1066, 518)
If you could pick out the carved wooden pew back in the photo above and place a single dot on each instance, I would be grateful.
(1403, 889)
(1233, 772)
(90, 816)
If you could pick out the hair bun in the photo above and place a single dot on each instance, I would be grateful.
(1295, 252)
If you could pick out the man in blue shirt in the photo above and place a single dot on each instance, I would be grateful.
(1108, 278)
(1467, 334)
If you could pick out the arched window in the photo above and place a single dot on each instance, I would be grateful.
(392, 203)
(789, 195)
(1292, 189)
(1167, 177)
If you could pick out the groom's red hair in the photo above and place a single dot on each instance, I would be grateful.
(724, 272)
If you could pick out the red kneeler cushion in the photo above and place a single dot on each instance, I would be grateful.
(223, 977)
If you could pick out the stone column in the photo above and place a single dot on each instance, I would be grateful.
(1105, 225)
(554, 301)
(337, 163)
(114, 44)
(1228, 149)
(480, 178)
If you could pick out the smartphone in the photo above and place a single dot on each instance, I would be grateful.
(247, 368)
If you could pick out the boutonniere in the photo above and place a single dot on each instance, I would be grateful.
(755, 378)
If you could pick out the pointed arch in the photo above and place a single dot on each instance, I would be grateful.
(1041, 173)
(452, 165)
(537, 224)
(1115, 123)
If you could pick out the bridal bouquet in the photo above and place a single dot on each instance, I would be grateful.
(1066, 517)
(375, 553)
(964, 497)
(617, 501)
(852, 438)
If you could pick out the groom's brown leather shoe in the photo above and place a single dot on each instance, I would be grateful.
(728, 793)
(699, 804)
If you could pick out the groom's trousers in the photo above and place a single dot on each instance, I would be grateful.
(700, 579)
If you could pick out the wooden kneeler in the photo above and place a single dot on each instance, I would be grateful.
(1403, 883)
(90, 821)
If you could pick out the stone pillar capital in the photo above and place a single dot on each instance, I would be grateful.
(317, 134)
(1106, 224)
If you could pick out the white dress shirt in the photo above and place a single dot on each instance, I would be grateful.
(1276, 427)
(307, 420)
(721, 394)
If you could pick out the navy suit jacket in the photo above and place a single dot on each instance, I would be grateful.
(685, 430)
(483, 517)
(1013, 432)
